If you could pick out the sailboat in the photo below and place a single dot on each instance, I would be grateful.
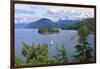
(51, 43)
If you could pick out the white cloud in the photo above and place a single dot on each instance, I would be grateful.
(25, 18)
(53, 13)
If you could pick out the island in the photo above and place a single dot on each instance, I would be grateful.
(48, 30)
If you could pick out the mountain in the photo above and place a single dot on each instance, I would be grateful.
(63, 24)
(89, 22)
(67, 22)
(20, 25)
(43, 23)
(50, 24)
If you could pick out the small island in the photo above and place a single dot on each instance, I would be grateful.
(48, 30)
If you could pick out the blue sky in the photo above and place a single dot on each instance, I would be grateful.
(25, 13)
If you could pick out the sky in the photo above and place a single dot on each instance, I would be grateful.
(26, 13)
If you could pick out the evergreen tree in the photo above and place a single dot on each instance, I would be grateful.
(83, 49)
(62, 55)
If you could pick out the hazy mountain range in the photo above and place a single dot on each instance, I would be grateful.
(20, 25)
(46, 23)
(63, 24)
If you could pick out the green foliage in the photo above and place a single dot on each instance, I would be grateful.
(83, 49)
(19, 61)
(38, 54)
(62, 55)
(76, 26)
(35, 54)
(48, 30)
(81, 57)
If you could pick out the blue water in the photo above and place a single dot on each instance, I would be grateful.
(66, 38)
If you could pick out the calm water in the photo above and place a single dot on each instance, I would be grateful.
(68, 38)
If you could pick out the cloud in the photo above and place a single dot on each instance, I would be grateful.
(71, 12)
(25, 18)
(25, 13)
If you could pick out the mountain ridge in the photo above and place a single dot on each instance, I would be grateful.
(50, 24)
(63, 24)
